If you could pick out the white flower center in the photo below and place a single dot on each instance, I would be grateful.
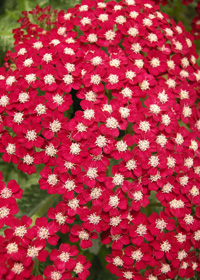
(28, 62)
(52, 179)
(96, 193)
(118, 179)
(167, 188)
(88, 114)
(155, 109)
(69, 185)
(189, 219)
(64, 256)
(37, 45)
(78, 268)
(73, 203)
(117, 261)
(166, 119)
(138, 195)
(131, 164)
(184, 180)
(137, 255)
(161, 140)
(103, 17)
(60, 218)
(181, 237)
(55, 126)
(143, 145)
(133, 31)
(161, 224)
(112, 123)
(194, 191)
(110, 35)
(127, 92)
(75, 148)
(171, 162)
(115, 221)
(18, 118)
(91, 96)
(17, 268)
(6, 193)
(23, 97)
(40, 109)
(94, 219)
(68, 79)
(92, 173)
(47, 57)
(69, 51)
(115, 62)
(165, 268)
(163, 97)
(85, 20)
(176, 203)
(11, 149)
(12, 248)
(95, 79)
(130, 74)
(49, 79)
(92, 38)
(187, 111)
(136, 48)
(97, 60)
(144, 85)
(22, 51)
(83, 235)
(32, 252)
(20, 231)
(155, 62)
(31, 135)
(4, 100)
(128, 274)
(43, 233)
(154, 161)
(152, 37)
(28, 159)
(121, 146)
(50, 150)
(10, 80)
(30, 78)
(55, 275)
(114, 201)
(81, 127)
(165, 246)
(144, 126)
(113, 79)
(197, 235)
(188, 162)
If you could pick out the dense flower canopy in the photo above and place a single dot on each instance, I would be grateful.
(136, 134)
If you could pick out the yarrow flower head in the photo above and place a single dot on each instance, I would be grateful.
(105, 103)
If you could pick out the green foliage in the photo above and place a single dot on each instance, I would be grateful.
(32, 199)
(10, 12)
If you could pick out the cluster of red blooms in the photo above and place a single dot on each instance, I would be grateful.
(137, 133)
(195, 22)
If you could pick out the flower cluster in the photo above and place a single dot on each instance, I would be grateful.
(134, 73)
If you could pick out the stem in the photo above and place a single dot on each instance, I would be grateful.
(43, 207)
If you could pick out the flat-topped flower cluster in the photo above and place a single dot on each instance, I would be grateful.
(137, 133)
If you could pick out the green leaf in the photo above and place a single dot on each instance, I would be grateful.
(32, 198)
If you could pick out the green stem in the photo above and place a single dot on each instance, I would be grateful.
(43, 207)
